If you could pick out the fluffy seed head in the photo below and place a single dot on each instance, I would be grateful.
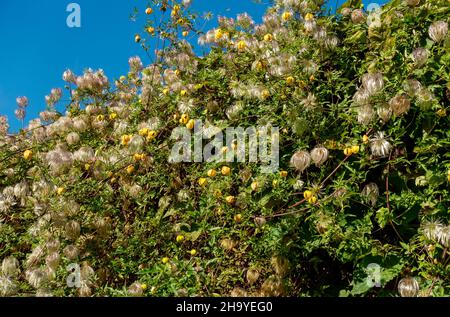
(301, 160)
(319, 155)
(400, 104)
(438, 31)
(380, 146)
(408, 287)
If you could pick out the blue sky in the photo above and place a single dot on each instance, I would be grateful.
(37, 46)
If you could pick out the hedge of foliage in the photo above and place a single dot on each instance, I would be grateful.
(359, 207)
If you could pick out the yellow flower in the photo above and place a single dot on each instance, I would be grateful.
(143, 131)
(355, 149)
(275, 183)
(218, 34)
(190, 125)
(226, 171)
(268, 37)
(184, 119)
(312, 200)
(202, 181)
(348, 151)
(151, 135)
(139, 157)
(259, 65)
(241, 45)
(143, 287)
(180, 238)
(198, 86)
(217, 193)
(130, 169)
(286, 16)
(100, 117)
(265, 94)
(365, 138)
(185, 33)
(125, 139)
(113, 116)
(238, 218)
(311, 78)
(283, 173)
(230, 199)
(290, 80)
(212, 173)
(193, 252)
(165, 260)
(151, 30)
(87, 166)
(224, 149)
(309, 17)
(308, 194)
(183, 93)
(149, 11)
(254, 186)
(27, 155)
(441, 112)
(60, 190)
(137, 38)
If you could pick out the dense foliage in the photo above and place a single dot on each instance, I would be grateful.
(359, 207)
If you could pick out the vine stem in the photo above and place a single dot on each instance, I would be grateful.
(387, 185)
(335, 170)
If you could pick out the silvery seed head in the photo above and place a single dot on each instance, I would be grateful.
(438, 31)
(371, 191)
(408, 287)
(420, 56)
(373, 83)
(400, 105)
(301, 160)
(380, 146)
(319, 155)
(432, 230)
